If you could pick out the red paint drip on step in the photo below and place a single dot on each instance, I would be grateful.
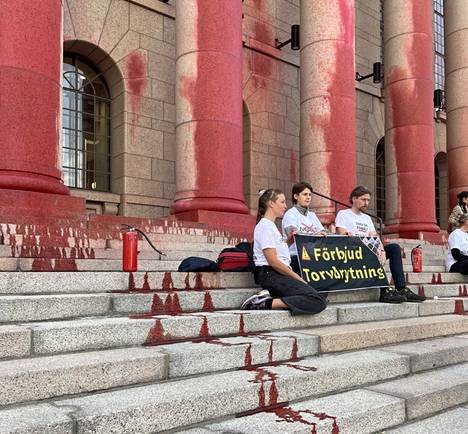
(433, 281)
(241, 325)
(176, 308)
(204, 329)
(270, 352)
(156, 334)
(421, 291)
(439, 278)
(459, 307)
(167, 283)
(294, 351)
(146, 285)
(465, 291)
(248, 356)
(198, 282)
(263, 376)
(187, 281)
(131, 282)
(157, 305)
(289, 415)
(208, 305)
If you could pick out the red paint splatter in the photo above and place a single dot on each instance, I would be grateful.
(187, 281)
(263, 376)
(204, 329)
(136, 83)
(146, 285)
(439, 278)
(198, 282)
(294, 350)
(208, 303)
(459, 307)
(421, 291)
(270, 352)
(248, 357)
(176, 308)
(465, 291)
(156, 334)
(241, 325)
(131, 282)
(157, 305)
(167, 283)
(433, 281)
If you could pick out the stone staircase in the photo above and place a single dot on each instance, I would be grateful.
(86, 348)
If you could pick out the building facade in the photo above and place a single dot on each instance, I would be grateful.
(187, 106)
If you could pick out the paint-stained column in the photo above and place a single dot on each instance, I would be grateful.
(328, 102)
(456, 70)
(209, 107)
(30, 82)
(409, 153)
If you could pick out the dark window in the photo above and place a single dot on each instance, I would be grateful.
(85, 127)
(380, 179)
(439, 48)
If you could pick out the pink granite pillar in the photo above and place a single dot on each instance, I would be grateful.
(30, 92)
(30, 77)
(328, 101)
(209, 108)
(408, 61)
(456, 70)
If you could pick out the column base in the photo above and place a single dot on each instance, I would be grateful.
(242, 224)
(215, 204)
(22, 205)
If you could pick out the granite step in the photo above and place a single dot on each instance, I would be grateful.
(160, 329)
(427, 393)
(67, 374)
(453, 421)
(357, 411)
(102, 333)
(47, 377)
(20, 308)
(146, 409)
(456, 289)
(84, 282)
(164, 302)
(349, 337)
(433, 353)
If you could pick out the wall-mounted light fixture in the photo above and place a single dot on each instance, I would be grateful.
(439, 99)
(376, 74)
(294, 40)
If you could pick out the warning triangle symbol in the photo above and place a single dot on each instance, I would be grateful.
(305, 255)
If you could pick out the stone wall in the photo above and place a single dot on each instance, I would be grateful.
(133, 44)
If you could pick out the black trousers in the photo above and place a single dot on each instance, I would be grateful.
(300, 298)
(393, 253)
(460, 267)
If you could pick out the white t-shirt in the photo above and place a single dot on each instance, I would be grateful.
(266, 236)
(305, 224)
(456, 240)
(356, 224)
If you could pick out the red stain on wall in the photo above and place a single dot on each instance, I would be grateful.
(137, 81)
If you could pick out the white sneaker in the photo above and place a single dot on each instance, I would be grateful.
(255, 302)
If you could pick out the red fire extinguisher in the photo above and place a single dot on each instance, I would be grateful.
(416, 259)
(130, 248)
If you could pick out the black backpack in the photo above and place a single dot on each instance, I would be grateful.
(194, 263)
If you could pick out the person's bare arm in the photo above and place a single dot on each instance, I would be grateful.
(342, 231)
(272, 259)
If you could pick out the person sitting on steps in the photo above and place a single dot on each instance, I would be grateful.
(354, 222)
(457, 257)
(300, 219)
(272, 264)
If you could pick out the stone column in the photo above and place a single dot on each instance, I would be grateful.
(30, 94)
(456, 70)
(409, 141)
(209, 108)
(328, 101)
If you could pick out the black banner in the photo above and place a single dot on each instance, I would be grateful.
(338, 263)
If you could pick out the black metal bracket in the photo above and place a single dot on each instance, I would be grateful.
(294, 39)
(377, 74)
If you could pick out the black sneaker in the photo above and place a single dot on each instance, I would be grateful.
(410, 295)
(257, 302)
(390, 295)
